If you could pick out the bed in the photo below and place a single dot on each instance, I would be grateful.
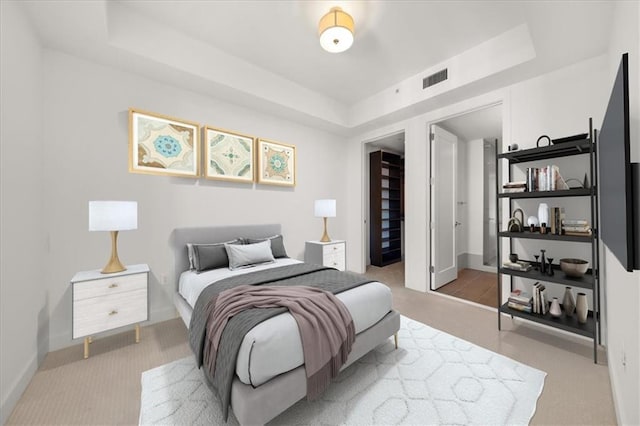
(270, 375)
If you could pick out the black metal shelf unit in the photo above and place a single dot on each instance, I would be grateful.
(590, 281)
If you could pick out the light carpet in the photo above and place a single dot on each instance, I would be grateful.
(432, 378)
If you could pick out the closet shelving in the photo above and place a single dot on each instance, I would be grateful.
(386, 172)
(590, 281)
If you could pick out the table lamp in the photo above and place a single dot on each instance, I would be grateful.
(113, 216)
(325, 209)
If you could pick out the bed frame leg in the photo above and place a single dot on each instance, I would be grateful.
(395, 338)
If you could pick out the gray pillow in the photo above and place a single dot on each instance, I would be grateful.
(209, 256)
(277, 245)
(243, 256)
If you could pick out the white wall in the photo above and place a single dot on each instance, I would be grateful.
(475, 197)
(623, 288)
(23, 295)
(86, 152)
(462, 203)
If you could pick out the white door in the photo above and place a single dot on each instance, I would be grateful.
(444, 153)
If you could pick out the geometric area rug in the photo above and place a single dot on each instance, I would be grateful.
(432, 378)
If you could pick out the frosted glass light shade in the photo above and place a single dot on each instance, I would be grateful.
(113, 215)
(336, 31)
(325, 208)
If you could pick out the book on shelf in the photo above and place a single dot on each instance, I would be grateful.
(519, 307)
(578, 228)
(575, 222)
(555, 220)
(539, 299)
(516, 184)
(511, 187)
(578, 233)
(513, 190)
(523, 298)
(545, 179)
(517, 266)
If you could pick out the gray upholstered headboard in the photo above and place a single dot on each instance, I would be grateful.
(212, 234)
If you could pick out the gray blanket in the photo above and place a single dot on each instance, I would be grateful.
(221, 378)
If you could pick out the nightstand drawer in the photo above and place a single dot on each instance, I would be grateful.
(108, 286)
(337, 248)
(335, 261)
(94, 315)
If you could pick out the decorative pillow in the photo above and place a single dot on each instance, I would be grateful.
(277, 245)
(243, 256)
(209, 256)
(191, 261)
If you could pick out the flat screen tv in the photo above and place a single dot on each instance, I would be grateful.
(616, 188)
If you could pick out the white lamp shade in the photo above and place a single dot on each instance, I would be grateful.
(325, 208)
(336, 39)
(336, 31)
(113, 215)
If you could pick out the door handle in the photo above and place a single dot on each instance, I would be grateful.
(458, 223)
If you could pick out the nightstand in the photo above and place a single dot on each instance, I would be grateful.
(331, 254)
(103, 302)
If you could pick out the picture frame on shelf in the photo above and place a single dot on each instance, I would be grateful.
(276, 163)
(163, 145)
(228, 155)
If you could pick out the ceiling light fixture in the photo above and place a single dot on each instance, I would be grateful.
(336, 30)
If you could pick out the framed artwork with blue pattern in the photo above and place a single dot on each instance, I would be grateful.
(163, 145)
(228, 155)
(276, 163)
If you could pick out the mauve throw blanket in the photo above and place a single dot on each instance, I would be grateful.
(326, 327)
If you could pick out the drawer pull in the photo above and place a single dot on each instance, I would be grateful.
(113, 312)
(335, 264)
(335, 248)
(114, 285)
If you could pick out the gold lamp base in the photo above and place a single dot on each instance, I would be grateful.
(325, 237)
(114, 265)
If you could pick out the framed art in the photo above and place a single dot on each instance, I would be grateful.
(163, 145)
(276, 163)
(228, 155)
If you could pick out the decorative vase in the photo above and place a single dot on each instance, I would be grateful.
(543, 213)
(582, 308)
(568, 302)
(554, 309)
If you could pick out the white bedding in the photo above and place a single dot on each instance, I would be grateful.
(274, 346)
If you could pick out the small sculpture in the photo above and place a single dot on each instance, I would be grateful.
(515, 224)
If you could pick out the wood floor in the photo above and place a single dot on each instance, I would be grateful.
(473, 285)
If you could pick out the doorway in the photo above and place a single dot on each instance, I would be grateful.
(463, 204)
(384, 166)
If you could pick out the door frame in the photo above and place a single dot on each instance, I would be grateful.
(502, 101)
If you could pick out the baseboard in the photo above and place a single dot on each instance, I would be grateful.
(473, 261)
(463, 261)
(617, 400)
(18, 388)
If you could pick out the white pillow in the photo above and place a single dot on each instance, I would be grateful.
(246, 255)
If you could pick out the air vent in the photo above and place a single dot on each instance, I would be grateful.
(434, 78)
